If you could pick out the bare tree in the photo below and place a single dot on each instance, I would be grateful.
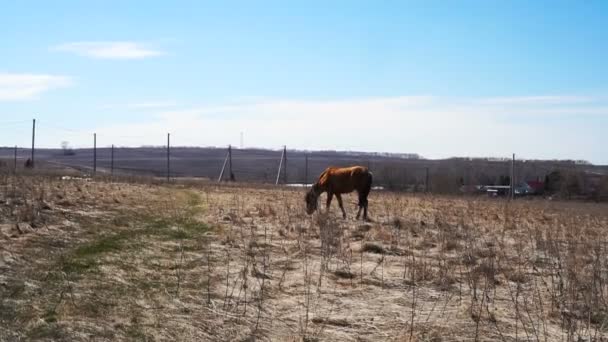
(67, 150)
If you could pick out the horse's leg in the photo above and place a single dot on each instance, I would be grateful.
(360, 206)
(339, 197)
(330, 195)
(363, 203)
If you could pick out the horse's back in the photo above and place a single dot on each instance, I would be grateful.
(347, 179)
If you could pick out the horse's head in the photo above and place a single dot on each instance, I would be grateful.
(312, 198)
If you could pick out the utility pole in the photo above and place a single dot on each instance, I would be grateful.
(168, 157)
(15, 165)
(285, 166)
(426, 182)
(94, 154)
(513, 177)
(230, 163)
(33, 140)
(306, 170)
(112, 160)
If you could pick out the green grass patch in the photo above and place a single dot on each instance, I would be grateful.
(50, 316)
(135, 333)
(77, 266)
(193, 198)
(46, 331)
(8, 311)
(177, 234)
(178, 229)
(194, 226)
(88, 256)
(103, 245)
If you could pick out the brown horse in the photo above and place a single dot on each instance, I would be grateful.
(338, 181)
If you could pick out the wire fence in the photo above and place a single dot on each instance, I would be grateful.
(170, 158)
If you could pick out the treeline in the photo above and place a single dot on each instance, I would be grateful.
(559, 181)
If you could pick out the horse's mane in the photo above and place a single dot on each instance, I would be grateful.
(323, 178)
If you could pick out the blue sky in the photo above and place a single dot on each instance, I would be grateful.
(438, 78)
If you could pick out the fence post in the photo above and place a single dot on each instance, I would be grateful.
(94, 154)
(426, 182)
(33, 139)
(230, 163)
(168, 157)
(513, 177)
(15, 161)
(112, 160)
(285, 166)
(306, 170)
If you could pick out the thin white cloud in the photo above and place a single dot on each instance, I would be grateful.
(110, 50)
(431, 126)
(151, 105)
(18, 87)
(435, 127)
(538, 100)
(147, 105)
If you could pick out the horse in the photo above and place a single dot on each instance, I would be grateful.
(341, 180)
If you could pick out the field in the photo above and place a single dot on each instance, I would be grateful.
(85, 259)
(261, 166)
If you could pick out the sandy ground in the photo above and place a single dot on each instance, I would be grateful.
(83, 260)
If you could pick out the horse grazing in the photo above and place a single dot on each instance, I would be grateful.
(338, 181)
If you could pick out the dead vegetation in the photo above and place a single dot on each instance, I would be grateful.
(84, 259)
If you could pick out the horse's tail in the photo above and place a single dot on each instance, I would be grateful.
(365, 188)
(369, 181)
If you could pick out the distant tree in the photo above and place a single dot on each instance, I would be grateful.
(483, 179)
(444, 182)
(603, 190)
(386, 177)
(67, 150)
(504, 180)
(553, 182)
(571, 186)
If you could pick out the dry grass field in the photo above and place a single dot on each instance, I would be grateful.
(84, 260)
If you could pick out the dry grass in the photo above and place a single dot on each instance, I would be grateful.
(123, 261)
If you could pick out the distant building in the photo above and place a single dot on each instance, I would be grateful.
(523, 189)
(534, 187)
(496, 190)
